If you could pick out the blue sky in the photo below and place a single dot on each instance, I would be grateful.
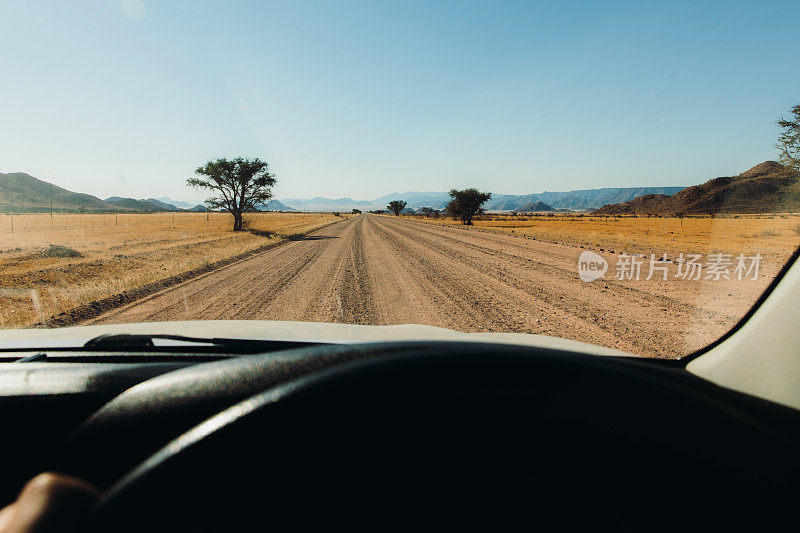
(360, 99)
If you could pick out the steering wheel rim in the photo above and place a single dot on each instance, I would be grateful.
(479, 390)
(144, 418)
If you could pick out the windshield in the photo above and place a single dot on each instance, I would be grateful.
(621, 174)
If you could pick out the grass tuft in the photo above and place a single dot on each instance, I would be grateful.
(768, 233)
(56, 250)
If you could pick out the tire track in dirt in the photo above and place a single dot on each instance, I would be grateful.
(600, 305)
(337, 289)
(524, 309)
(242, 290)
(458, 298)
(555, 259)
(678, 316)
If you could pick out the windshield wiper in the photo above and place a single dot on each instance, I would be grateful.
(181, 343)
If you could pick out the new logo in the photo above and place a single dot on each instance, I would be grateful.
(591, 266)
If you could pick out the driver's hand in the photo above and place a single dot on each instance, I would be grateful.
(49, 503)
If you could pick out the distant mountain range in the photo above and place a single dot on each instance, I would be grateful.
(151, 204)
(176, 203)
(22, 193)
(275, 205)
(581, 200)
(535, 207)
(766, 188)
(327, 204)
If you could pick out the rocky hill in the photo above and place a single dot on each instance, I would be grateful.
(275, 205)
(535, 207)
(582, 200)
(133, 204)
(766, 188)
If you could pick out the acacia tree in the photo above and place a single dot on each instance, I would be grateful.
(427, 211)
(789, 140)
(396, 207)
(240, 185)
(465, 204)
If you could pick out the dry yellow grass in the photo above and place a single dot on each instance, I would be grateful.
(114, 254)
(775, 236)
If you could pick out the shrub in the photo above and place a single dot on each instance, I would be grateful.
(56, 250)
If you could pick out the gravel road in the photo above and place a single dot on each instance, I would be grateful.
(379, 270)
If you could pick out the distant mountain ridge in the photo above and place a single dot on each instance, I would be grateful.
(274, 205)
(23, 193)
(766, 188)
(163, 205)
(176, 203)
(327, 201)
(415, 198)
(151, 204)
(580, 200)
(535, 207)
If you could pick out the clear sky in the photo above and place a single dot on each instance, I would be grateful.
(363, 98)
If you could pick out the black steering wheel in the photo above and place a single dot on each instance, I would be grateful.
(410, 434)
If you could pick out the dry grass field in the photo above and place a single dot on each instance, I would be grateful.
(51, 265)
(775, 236)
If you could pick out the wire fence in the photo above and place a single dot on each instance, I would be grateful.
(744, 222)
(38, 221)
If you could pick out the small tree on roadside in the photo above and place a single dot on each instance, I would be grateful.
(240, 185)
(356, 211)
(427, 211)
(789, 140)
(396, 207)
(467, 203)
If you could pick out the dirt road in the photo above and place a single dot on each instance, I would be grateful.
(379, 270)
